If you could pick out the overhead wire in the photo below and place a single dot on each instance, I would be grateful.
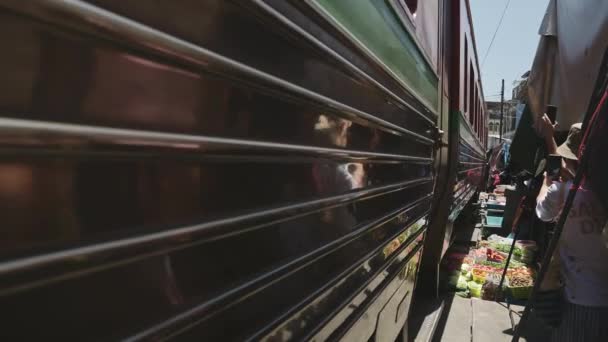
(504, 11)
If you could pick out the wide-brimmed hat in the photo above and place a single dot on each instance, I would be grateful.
(569, 149)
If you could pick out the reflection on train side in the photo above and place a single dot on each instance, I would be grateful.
(399, 240)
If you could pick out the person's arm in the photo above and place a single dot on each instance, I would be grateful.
(551, 145)
(544, 188)
(548, 201)
(546, 130)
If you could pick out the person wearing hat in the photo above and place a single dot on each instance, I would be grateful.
(582, 256)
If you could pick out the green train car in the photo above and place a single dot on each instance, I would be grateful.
(227, 170)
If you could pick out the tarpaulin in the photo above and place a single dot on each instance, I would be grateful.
(574, 36)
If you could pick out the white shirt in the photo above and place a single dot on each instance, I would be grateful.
(583, 253)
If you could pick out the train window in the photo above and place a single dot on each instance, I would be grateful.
(421, 19)
(483, 117)
(411, 5)
(480, 116)
(483, 129)
(465, 77)
(479, 120)
(477, 116)
(471, 86)
(407, 13)
(474, 106)
(476, 113)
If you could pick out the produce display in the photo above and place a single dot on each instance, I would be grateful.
(505, 249)
(477, 272)
(479, 275)
(490, 288)
(462, 283)
(487, 268)
(520, 281)
(478, 253)
(527, 251)
(480, 271)
(494, 256)
(475, 289)
(520, 272)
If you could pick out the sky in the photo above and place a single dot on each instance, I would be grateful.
(514, 46)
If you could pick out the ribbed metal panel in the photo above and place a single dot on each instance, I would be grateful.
(207, 169)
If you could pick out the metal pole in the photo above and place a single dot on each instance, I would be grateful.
(502, 103)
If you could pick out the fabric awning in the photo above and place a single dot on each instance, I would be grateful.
(574, 36)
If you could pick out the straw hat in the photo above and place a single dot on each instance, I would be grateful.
(569, 149)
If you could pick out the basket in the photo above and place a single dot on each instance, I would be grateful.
(522, 292)
(474, 289)
(480, 279)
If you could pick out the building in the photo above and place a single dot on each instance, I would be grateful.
(509, 118)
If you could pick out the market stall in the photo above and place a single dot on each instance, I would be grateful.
(477, 270)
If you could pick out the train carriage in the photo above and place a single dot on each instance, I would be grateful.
(231, 170)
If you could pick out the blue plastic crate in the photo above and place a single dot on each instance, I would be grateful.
(495, 206)
(494, 221)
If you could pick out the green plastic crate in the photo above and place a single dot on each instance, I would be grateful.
(522, 292)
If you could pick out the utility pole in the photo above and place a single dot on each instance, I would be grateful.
(502, 104)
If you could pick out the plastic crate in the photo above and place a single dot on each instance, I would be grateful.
(494, 221)
(522, 292)
(500, 206)
(479, 279)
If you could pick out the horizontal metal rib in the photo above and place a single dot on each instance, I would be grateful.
(43, 134)
(462, 199)
(471, 169)
(459, 202)
(470, 129)
(107, 25)
(472, 148)
(471, 163)
(228, 299)
(470, 156)
(344, 274)
(361, 310)
(459, 186)
(462, 190)
(464, 123)
(107, 155)
(147, 245)
(338, 57)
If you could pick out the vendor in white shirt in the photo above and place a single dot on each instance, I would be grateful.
(583, 254)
